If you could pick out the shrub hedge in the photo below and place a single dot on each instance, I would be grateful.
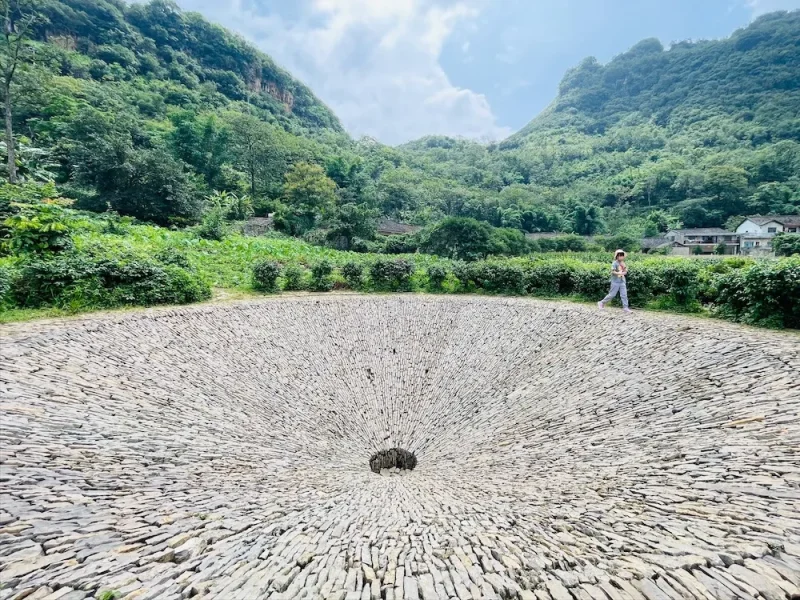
(391, 275)
(766, 294)
(759, 292)
(76, 281)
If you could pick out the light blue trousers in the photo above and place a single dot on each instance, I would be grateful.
(617, 287)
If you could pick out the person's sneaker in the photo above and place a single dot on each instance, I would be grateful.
(627, 310)
(600, 305)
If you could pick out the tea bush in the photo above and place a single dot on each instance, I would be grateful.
(491, 276)
(437, 274)
(294, 278)
(353, 274)
(392, 275)
(321, 280)
(265, 275)
(6, 281)
(552, 278)
(76, 281)
(764, 294)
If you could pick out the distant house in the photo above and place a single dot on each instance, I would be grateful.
(544, 235)
(662, 243)
(756, 232)
(706, 238)
(389, 227)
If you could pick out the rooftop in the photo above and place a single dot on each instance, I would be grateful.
(703, 231)
(786, 220)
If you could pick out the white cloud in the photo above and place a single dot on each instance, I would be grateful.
(374, 62)
(759, 7)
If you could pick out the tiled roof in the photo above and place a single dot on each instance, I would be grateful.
(703, 231)
(785, 220)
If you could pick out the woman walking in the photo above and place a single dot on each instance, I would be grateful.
(618, 273)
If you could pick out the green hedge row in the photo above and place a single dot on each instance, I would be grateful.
(762, 293)
(79, 281)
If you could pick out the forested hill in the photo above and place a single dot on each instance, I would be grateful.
(109, 40)
(157, 114)
(707, 129)
(699, 133)
(750, 78)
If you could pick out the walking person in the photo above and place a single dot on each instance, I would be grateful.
(618, 272)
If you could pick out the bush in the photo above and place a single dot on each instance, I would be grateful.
(263, 207)
(786, 244)
(392, 275)
(6, 281)
(593, 281)
(622, 241)
(552, 278)
(265, 276)
(365, 246)
(321, 280)
(240, 208)
(437, 274)
(81, 281)
(400, 244)
(294, 278)
(214, 226)
(173, 256)
(492, 276)
(678, 279)
(765, 294)
(38, 229)
(562, 243)
(353, 273)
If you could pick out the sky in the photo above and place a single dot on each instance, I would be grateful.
(397, 70)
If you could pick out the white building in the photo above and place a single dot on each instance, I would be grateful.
(756, 232)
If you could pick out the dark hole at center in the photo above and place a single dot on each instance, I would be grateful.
(394, 458)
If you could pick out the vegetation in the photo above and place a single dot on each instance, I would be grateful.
(153, 112)
(168, 132)
(786, 244)
(146, 265)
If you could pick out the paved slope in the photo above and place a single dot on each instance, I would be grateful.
(563, 452)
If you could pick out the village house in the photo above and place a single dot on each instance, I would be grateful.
(756, 233)
(705, 238)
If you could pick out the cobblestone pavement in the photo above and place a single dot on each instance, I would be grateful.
(563, 453)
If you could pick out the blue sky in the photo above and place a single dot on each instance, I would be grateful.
(396, 70)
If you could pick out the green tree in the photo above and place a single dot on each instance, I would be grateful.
(728, 186)
(588, 220)
(786, 244)
(152, 185)
(308, 195)
(458, 238)
(732, 223)
(257, 153)
(18, 19)
(658, 221)
(351, 221)
(203, 142)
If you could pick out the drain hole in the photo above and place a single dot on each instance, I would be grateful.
(396, 458)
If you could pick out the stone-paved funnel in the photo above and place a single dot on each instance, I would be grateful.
(563, 452)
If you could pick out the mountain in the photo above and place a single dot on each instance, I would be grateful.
(109, 40)
(149, 110)
(706, 130)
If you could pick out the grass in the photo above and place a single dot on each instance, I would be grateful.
(224, 264)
